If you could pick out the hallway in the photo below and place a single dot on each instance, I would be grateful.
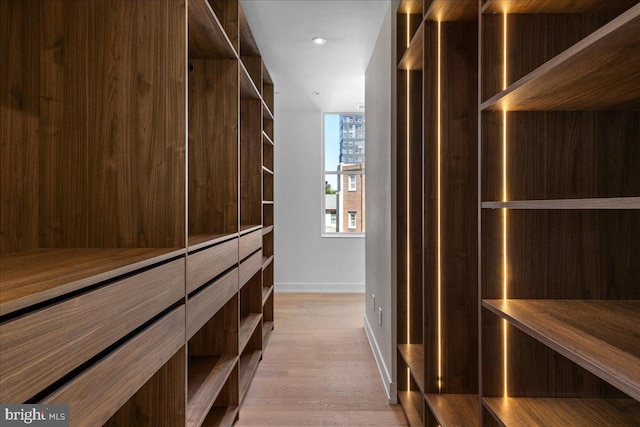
(318, 368)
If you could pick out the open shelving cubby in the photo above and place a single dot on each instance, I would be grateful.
(559, 208)
(250, 330)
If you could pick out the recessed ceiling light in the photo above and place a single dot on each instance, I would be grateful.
(315, 93)
(318, 41)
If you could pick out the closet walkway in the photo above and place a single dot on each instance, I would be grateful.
(318, 368)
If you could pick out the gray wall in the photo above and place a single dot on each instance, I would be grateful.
(304, 261)
(380, 276)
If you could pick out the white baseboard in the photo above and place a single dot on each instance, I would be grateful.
(320, 288)
(390, 387)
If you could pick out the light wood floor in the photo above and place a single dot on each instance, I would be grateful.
(318, 368)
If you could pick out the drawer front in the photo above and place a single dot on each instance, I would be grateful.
(121, 373)
(39, 348)
(206, 304)
(249, 243)
(205, 265)
(249, 267)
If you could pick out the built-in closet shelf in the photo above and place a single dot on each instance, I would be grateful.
(410, 7)
(555, 6)
(265, 136)
(412, 58)
(600, 72)
(597, 203)
(601, 336)
(248, 325)
(566, 412)
(245, 229)
(248, 89)
(38, 275)
(267, 114)
(266, 292)
(267, 170)
(267, 328)
(266, 261)
(452, 410)
(413, 355)
(412, 404)
(267, 230)
(452, 11)
(267, 202)
(199, 241)
(248, 366)
(221, 417)
(207, 38)
(207, 375)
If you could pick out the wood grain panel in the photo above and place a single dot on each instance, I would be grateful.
(213, 147)
(207, 37)
(38, 275)
(207, 303)
(562, 155)
(250, 162)
(410, 7)
(249, 267)
(19, 125)
(249, 243)
(412, 406)
(160, 402)
(452, 11)
(137, 151)
(219, 336)
(227, 11)
(42, 347)
(412, 59)
(452, 410)
(248, 366)
(413, 355)
(555, 6)
(601, 203)
(122, 373)
(206, 264)
(527, 412)
(407, 26)
(207, 376)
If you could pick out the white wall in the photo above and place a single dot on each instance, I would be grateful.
(380, 276)
(304, 261)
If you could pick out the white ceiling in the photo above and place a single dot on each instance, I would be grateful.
(283, 30)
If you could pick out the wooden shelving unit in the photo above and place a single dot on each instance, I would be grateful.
(557, 6)
(412, 405)
(413, 356)
(137, 270)
(454, 409)
(452, 11)
(570, 412)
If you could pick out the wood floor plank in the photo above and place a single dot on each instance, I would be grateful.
(318, 368)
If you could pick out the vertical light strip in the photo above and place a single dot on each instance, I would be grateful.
(439, 126)
(504, 211)
(408, 206)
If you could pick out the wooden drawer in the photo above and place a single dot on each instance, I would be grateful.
(249, 267)
(250, 243)
(97, 393)
(39, 348)
(205, 265)
(206, 304)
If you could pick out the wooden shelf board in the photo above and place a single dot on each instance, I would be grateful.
(267, 328)
(410, 7)
(413, 355)
(555, 6)
(411, 402)
(267, 230)
(455, 409)
(269, 140)
(248, 326)
(207, 38)
(221, 417)
(266, 291)
(267, 114)
(598, 203)
(599, 72)
(266, 261)
(248, 45)
(601, 336)
(248, 366)
(267, 202)
(245, 229)
(248, 89)
(566, 412)
(199, 241)
(452, 10)
(38, 275)
(206, 377)
(412, 58)
(267, 170)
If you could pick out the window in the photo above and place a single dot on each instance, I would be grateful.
(352, 183)
(352, 220)
(343, 196)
